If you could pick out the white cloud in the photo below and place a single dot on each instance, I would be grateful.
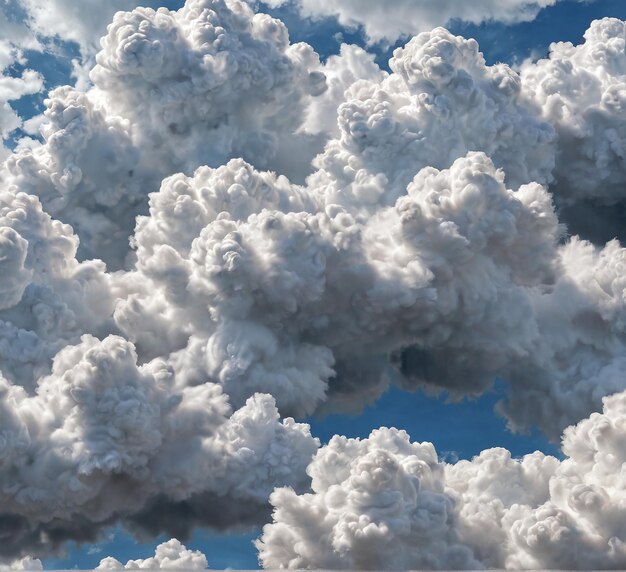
(103, 436)
(423, 249)
(170, 555)
(409, 17)
(580, 90)
(83, 22)
(384, 502)
(173, 91)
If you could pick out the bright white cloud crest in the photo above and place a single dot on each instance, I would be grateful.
(223, 231)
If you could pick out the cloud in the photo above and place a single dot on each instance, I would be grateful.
(80, 22)
(263, 287)
(173, 91)
(26, 563)
(103, 436)
(387, 502)
(580, 91)
(168, 555)
(410, 17)
(178, 275)
(440, 102)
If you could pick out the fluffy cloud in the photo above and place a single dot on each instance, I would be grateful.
(173, 91)
(81, 22)
(580, 91)
(261, 286)
(421, 247)
(440, 102)
(47, 298)
(102, 437)
(384, 501)
(376, 503)
(410, 17)
(168, 555)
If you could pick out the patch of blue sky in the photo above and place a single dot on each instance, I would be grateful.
(566, 21)
(459, 430)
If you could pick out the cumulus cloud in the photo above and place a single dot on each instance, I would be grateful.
(580, 91)
(101, 437)
(176, 277)
(387, 502)
(410, 17)
(376, 503)
(168, 555)
(173, 91)
(263, 287)
(440, 102)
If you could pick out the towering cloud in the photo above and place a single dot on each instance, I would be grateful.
(386, 502)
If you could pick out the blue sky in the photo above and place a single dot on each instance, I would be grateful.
(459, 430)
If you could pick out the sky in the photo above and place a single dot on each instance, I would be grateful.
(487, 324)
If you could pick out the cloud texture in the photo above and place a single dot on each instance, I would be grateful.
(168, 555)
(414, 16)
(387, 502)
(222, 232)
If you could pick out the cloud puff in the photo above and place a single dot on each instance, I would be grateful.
(440, 102)
(173, 91)
(168, 555)
(376, 503)
(266, 286)
(580, 91)
(47, 298)
(101, 437)
(384, 501)
(410, 17)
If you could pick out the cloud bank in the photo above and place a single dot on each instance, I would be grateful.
(222, 234)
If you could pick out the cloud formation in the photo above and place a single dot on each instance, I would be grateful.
(172, 91)
(387, 502)
(169, 555)
(222, 232)
(102, 437)
(12, 88)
